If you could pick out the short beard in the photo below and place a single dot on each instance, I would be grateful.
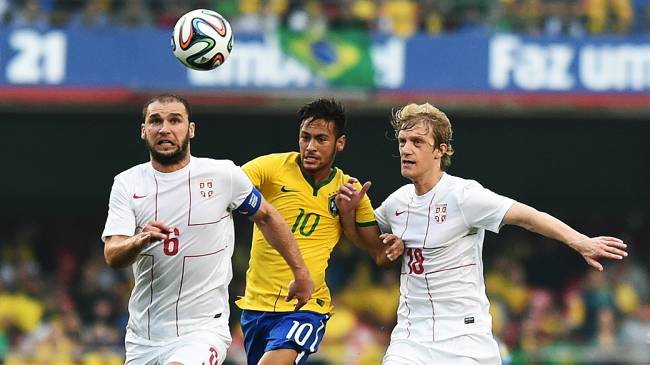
(169, 159)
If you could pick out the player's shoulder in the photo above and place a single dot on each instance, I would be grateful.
(403, 193)
(458, 188)
(211, 163)
(456, 183)
(341, 176)
(275, 158)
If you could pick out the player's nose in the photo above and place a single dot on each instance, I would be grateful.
(164, 127)
(311, 145)
(405, 149)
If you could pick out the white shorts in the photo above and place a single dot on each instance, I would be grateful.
(200, 347)
(471, 349)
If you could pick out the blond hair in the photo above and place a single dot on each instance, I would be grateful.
(437, 123)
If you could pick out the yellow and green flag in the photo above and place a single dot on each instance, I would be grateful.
(340, 57)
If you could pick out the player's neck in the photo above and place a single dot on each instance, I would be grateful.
(423, 184)
(319, 176)
(166, 168)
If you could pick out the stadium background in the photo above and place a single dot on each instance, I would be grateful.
(572, 141)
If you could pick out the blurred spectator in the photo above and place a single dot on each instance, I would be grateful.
(258, 16)
(31, 14)
(170, 12)
(634, 327)
(606, 336)
(432, 17)
(471, 16)
(531, 13)
(605, 16)
(561, 19)
(250, 17)
(350, 340)
(362, 13)
(307, 16)
(379, 299)
(4, 11)
(133, 14)
(398, 17)
(506, 17)
(598, 297)
(94, 15)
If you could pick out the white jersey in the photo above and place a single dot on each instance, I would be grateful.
(181, 283)
(442, 291)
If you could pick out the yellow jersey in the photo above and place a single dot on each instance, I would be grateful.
(311, 213)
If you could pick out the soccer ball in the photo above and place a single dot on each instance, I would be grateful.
(202, 39)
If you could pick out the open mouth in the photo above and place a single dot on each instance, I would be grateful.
(408, 163)
(165, 143)
(310, 159)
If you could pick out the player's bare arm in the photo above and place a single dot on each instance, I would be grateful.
(121, 251)
(277, 233)
(384, 248)
(592, 249)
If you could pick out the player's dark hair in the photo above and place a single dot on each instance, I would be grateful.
(167, 98)
(327, 109)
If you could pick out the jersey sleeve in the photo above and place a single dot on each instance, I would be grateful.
(241, 190)
(382, 218)
(256, 171)
(483, 208)
(364, 215)
(121, 218)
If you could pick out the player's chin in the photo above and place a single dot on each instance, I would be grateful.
(167, 151)
(311, 165)
(407, 171)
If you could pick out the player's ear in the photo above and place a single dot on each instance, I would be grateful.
(340, 143)
(142, 135)
(192, 126)
(440, 151)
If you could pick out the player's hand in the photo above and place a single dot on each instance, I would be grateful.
(348, 197)
(153, 231)
(394, 246)
(301, 289)
(603, 247)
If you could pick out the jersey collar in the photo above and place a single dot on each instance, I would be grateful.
(309, 179)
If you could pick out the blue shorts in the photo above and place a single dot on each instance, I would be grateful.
(266, 331)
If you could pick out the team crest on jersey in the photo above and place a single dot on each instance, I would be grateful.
(331, 205)
(206, 188)
(440, 213)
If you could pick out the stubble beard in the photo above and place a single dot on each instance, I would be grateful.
(167, 159)
(325, 165)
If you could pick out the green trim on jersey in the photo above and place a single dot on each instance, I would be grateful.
(311, 182)
(366, 224)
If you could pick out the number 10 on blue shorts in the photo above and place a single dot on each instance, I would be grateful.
(266, 331)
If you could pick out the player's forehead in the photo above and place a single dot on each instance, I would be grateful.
(316, 127)
(418, 130)
(164, 109)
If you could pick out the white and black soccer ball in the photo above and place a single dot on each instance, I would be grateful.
(202, 39)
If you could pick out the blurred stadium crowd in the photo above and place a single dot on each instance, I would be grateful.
(60, 304)
(574, 18)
